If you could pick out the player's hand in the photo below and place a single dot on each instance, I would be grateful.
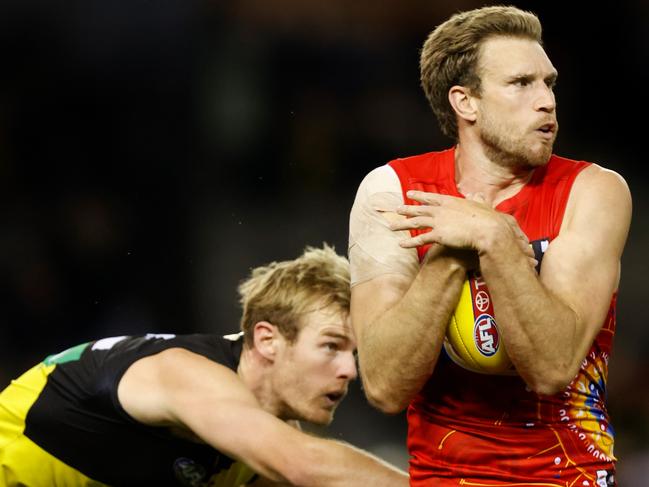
(458, 223)
(522, 240)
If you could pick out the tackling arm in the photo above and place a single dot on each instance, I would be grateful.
(180, 388)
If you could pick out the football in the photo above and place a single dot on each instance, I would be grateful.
(472, 337)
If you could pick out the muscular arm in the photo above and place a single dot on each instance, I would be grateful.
(549, 323)
(400, 327)
(399, 310)
(178, 388)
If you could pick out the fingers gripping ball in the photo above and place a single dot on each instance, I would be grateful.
(472, 337)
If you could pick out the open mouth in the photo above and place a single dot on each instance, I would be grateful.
(547, 128)
(335, 397)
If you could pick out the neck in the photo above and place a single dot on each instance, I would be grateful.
(476, 173)
(255, 372)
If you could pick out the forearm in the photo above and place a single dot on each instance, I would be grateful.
(283, 455)
(548, 322)
(337, 464)
(538, 329)
(409, 334)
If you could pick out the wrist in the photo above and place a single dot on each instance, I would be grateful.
(494, 239)
(456, 260)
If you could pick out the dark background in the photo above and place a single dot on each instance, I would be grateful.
(151, 153)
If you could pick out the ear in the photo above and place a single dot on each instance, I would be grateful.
(265, 336)
(463, 103)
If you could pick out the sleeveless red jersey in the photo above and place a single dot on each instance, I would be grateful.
(466, 428)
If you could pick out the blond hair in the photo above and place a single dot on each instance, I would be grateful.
(282, 292)
(450, 55)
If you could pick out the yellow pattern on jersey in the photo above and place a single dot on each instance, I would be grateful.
(23, 462)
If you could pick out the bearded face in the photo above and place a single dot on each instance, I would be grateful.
(312, 374)
(516, 109)
(512, 145)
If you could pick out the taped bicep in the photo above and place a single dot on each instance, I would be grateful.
(373, 248)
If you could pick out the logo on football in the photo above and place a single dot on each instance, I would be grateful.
(485, 335)
(472, 337)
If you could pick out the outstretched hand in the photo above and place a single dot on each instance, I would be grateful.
(461, 223)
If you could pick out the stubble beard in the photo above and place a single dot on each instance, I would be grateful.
(511, 151)
(305, 413)
(296, 404)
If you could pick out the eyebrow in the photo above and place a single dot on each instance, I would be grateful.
(334, 334)
(552, 77)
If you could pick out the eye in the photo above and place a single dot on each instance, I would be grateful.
(522, 82)
(331, 346)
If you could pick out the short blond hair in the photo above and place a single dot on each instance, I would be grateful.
(450, 55)
(282, 292)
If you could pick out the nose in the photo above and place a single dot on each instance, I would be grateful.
(347, 366)
(545, 101)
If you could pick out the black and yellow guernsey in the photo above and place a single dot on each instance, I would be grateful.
(61, 423)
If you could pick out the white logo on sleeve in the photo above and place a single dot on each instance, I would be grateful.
(107, 343)
(164, 336)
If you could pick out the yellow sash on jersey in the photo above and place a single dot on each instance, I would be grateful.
(23, 462)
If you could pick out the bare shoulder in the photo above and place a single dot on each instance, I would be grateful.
(180, 364)
(179, 368)
(597, 180)
(597, 189)
(151, 385)
(599, 207)
(380, 179)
